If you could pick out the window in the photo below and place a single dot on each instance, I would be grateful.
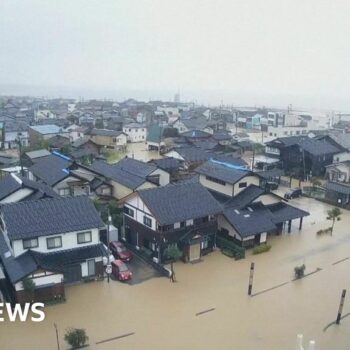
(182, 224)
(30, 243)
(64, 191)
(147, 221)
(204, 244)
(54, 242)
(84, 237)
(213, 179)
(114, 139)
(242, 185)
(128, 211)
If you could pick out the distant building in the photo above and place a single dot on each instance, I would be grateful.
(136, 132)
(45, 132)
(108, 138)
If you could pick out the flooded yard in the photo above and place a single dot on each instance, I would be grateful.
(208, 308)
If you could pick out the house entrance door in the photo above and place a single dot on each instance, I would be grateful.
(195, 252)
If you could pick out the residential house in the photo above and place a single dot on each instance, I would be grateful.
(338, 172)
(130, 175)
(338, 194)
(302, 155)
(51, 242)
(84, 149)
(32, 156)
(54, 170)
(135, 132)
(108, 138)
(45, 132)
(182, 214)
(14, 188)
(244, 198)
(155, 138)
(75, 132)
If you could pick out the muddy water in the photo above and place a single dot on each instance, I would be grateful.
(139, 151)
(163, 315)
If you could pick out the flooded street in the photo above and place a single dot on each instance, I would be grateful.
(139, 151)
(160, 315)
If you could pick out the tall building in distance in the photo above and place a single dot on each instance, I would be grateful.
(177, 97)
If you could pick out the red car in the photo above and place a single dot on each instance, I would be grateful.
(119, 251)
(121, 271)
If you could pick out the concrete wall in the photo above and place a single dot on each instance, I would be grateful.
(136, 134)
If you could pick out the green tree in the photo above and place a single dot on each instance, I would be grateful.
(334, 215)
(76, 337)
(315, 183)
(173, 253)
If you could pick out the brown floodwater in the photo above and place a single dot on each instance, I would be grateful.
(139, 151)
(162, 315)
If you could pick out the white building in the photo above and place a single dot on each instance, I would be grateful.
(136, 132)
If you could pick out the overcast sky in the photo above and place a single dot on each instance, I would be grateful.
(264, 52)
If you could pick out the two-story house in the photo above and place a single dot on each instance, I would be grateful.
(250, 212)
(136, 132)
(108, 138)
(51, 242)
(183, 214)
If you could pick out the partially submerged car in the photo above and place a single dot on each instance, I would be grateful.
(119, 251)
(120, 271)
(293, 193)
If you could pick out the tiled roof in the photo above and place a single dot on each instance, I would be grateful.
(193, 154)
(195, 134)
(282, 212)
(118, 174)
(8, 185)
(248, 223)
(222, 172)
(49, 216)
(51, 169)
(245, 197)
(167, 164)
(47, 129)
(176, 203)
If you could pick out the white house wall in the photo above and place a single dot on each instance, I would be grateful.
(40, 279)
(250, 180)
(267, 199)
(341, 157)
(69, 241)
(17, 196)
(174, 154)
(226, 189)
(164, 177)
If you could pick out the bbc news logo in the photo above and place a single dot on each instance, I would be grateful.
(28, 311)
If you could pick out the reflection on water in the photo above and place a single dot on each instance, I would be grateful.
(163, 315)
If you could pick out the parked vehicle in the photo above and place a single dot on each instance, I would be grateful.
(120, 271)
(271, 185)
(293, 193)
(119, 251)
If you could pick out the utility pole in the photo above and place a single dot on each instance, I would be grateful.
(251, 276)
(58, 343)
(340, 310)
(20, 153)
(108, 270)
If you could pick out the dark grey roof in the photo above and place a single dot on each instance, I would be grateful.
(49, 216)
(222, 135)
(313, 146)
(82, 141)
(179, 202)
(245, 197)
(60, 260)
(8, 185)
(15, 268)
(195, 123)
(105, 132)
(167, 164)
(206, 144)
(128, 172)
(338, 187)
(195, 134)
(193, 154)
(222, 172)
(282, 212)
(248, 223)
(51, 169)
(272, 173)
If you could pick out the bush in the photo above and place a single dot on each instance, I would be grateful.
(28, 284)
(326, 231)
(228, 252)
(261, 249)
(299, 271)
(223, 243)
(76, 338)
